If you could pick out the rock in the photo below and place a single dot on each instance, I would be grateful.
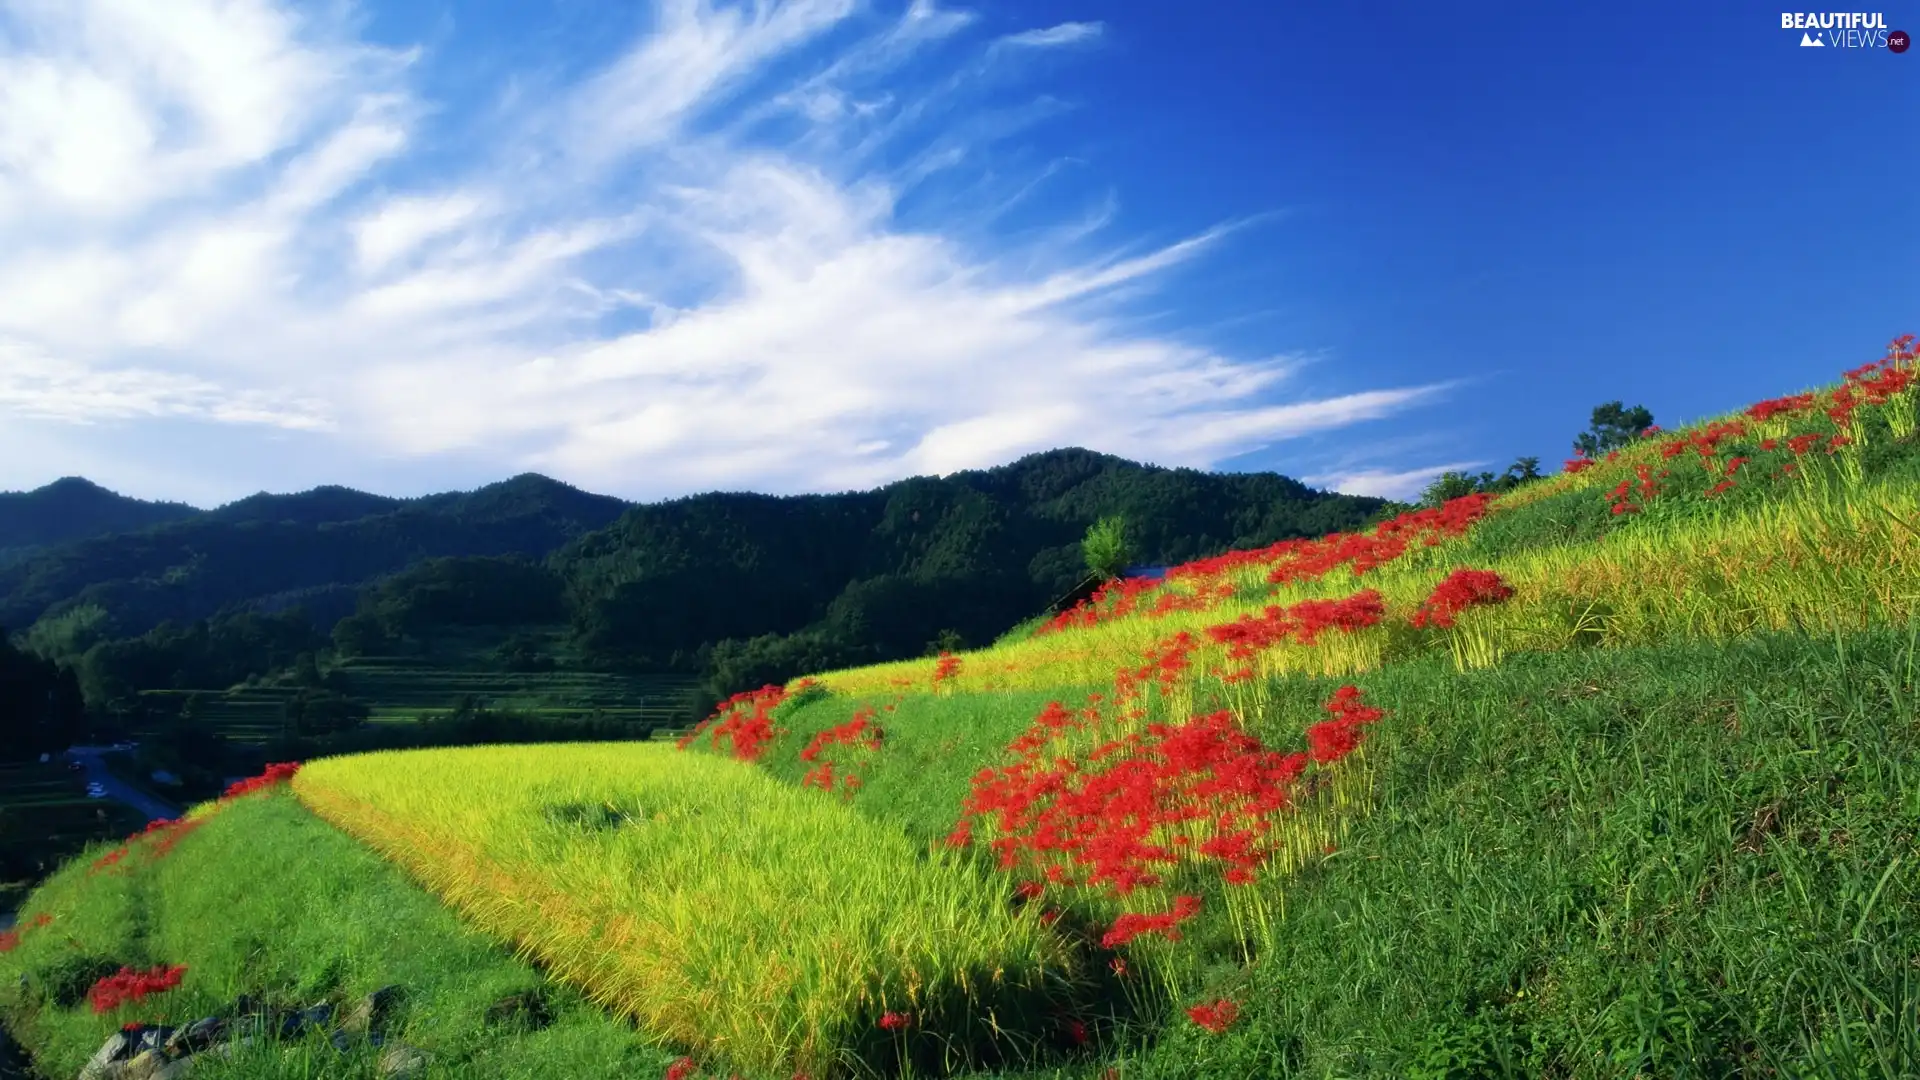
(154, 1065)
(151, 1038)
(297, 1023)
(371, 1013)
(526, 1010)
(226, 1049)
(119, 1047)
(403, 1062)
(196, 1036)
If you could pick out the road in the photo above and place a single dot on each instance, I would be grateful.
(117, 789)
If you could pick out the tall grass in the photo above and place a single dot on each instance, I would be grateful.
(726, 912)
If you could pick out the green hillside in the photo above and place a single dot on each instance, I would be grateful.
(1609, 775)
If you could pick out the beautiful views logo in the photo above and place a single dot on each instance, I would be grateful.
(1844, 30)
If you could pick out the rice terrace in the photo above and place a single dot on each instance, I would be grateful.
(958, 540)
(1610, 774)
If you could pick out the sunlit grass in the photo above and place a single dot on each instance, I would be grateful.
(725, 911)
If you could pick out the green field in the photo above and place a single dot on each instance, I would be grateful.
(402, 689)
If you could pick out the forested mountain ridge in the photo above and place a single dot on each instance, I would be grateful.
(315, 548)
(739, 588)
(972, 552)
(73, 508)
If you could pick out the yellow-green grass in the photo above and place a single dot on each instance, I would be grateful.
(1763, 565)
(727, 912)
(264, 899)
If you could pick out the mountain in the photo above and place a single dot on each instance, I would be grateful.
(73, 508)
(270, 551)
(316, 507)
(752, 584)
(888, 570)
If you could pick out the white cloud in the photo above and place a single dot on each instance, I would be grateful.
(683, 270)
(1384, 484)
(1067, 33)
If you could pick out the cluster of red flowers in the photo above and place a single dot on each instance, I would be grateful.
(745, 720)
(10, 939)
(1215, 1017)
(860, 731)
(1131, 925)
(1095, 822)
(1330, 740)
(946, 669)
(1878, 383)
(894, 1021)
(1461, 590)
(276, 773)
(1301, 623)
(1286, 561)
(131, 985)
(162, 834)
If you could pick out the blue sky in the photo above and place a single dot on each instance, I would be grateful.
(655, 249)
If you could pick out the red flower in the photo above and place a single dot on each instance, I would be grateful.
(680, 1069)
(272, 775)
(1462, 589)
(894, 1021)
(1216, 1017)
(130, 985)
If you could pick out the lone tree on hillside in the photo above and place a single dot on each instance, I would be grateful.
(1614, 426)
(1105, 547)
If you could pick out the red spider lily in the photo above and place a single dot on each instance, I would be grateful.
(10, 939)
(1098, 815)
(1075, 1030)
(946, 669)
(163, 834)
(130, 985)
(1216, 1017)
(858, 732)
(1462, 589)
(894, 1021)
(1030, 890)
(1286, 561)
(1301, 623)
(1783, 406)
(274, 774)
(1118, 965)
(680, 1069)
(1576, 465)
(1131, 925)
(745, 720)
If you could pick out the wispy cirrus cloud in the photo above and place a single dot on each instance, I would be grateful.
(1405, 485)
(687, 268)
(1067, 33)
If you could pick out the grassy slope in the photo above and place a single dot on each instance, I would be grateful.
(1689, 854)
(266, 899)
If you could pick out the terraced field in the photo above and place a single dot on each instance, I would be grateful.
(252, 715)
(400, 689)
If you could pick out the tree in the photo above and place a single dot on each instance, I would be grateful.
(1105, 547)
(40, 705)
(1613, 427)
(1454, 485)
